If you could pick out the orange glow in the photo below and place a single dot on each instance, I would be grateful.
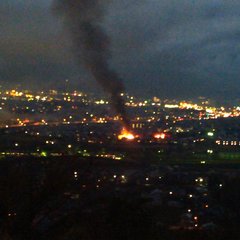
(26, 121)
(125, 134)
(159, 135)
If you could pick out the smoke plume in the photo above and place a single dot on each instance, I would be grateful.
(92, 45)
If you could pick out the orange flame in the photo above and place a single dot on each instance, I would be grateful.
(160, 135)
(125, 134)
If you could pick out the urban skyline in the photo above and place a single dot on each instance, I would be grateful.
(119, 120)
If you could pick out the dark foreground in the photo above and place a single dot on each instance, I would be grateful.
(68, 198)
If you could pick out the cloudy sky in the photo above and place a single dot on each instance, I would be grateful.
(168, 48)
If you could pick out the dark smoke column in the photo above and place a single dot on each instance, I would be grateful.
(92, 45)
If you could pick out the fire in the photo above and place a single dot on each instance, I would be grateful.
(160, 135)
(125, 134)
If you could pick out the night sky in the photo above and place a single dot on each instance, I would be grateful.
(168, 48)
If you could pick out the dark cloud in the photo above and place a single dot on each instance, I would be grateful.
(166, 47)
